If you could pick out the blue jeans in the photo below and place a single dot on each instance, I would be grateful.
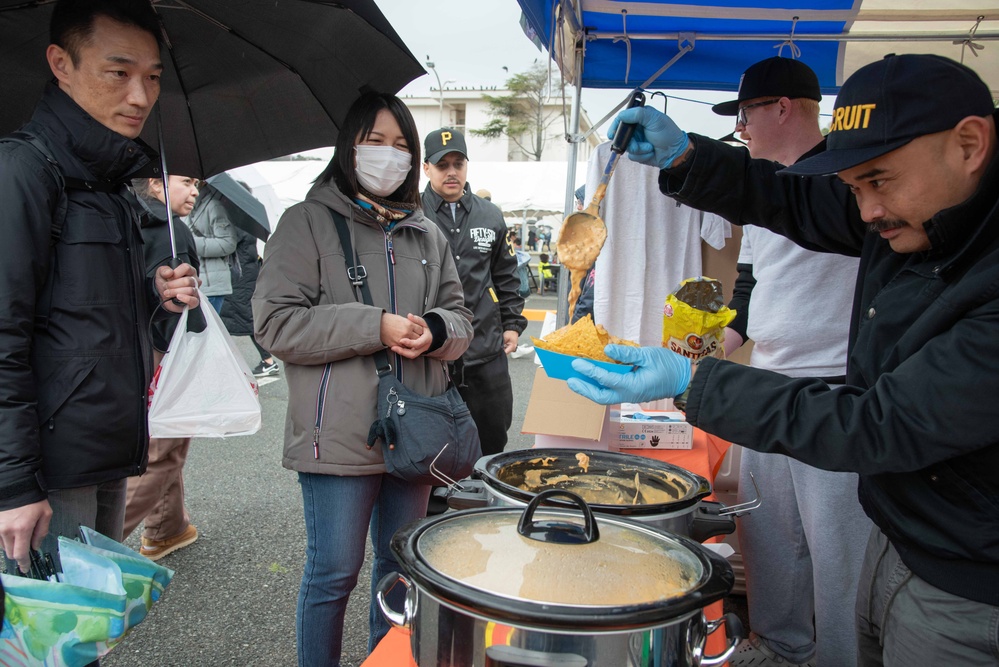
(217, 302)
(338, 511)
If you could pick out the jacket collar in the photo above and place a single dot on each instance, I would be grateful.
(434, 202)
(155, 209)
(959, 233)
(102, 153)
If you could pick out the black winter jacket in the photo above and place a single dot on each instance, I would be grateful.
(73, 374)
(488, 269)
(917, 417)
(157, 251)
(237, 313)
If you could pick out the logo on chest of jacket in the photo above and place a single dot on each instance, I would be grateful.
(483, 238)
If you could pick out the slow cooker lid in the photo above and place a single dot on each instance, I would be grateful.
(627, 565)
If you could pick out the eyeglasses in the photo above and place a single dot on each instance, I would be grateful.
(740, 118)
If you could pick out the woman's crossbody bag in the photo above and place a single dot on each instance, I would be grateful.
(424, 439)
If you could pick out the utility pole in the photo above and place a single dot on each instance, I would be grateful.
(440, 90)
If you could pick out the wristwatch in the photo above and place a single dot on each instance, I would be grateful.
(680, 402)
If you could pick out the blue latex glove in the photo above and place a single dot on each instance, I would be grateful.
(657, 140)
(659, 373)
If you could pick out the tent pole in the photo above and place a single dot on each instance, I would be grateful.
(562, 311)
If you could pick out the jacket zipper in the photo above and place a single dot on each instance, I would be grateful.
(129, 232)
(390, 255)
(390, 266)
(321, 408)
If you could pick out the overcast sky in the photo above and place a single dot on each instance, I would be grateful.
(471, 42)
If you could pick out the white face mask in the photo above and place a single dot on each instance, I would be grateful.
(381, 169)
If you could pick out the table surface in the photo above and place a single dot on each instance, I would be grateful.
(704, 458)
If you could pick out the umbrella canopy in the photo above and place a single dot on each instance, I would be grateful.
(244, 80)
(244, 210)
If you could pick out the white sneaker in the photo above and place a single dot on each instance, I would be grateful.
(522, 351)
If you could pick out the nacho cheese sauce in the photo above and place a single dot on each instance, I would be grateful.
(627, 487)
(623, 567)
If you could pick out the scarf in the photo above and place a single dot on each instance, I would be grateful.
(386, 211)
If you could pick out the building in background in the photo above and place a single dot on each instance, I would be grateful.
(466, 109)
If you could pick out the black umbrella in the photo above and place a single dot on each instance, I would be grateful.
(245, 80)
(244, 210)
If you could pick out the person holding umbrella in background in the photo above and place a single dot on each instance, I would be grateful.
(237, 311)
(215, 237)
(76, 357)
(157, 496)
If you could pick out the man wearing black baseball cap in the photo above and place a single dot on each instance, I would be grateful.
(916, 196)
(803, 548)
(771, 78)
(487, 267)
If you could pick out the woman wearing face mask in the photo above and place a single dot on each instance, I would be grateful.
(307, 312)
(158, 495)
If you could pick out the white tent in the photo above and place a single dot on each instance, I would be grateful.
(523, 190)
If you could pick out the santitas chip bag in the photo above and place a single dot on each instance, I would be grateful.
(695, 317)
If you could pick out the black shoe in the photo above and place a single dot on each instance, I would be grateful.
(438, 501)
(263, 369)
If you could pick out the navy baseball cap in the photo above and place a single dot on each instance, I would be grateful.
(773, 77)
(440, 142)
(887, 104)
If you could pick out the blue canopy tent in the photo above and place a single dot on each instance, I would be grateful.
(707, 44)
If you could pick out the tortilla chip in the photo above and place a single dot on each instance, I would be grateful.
(581, 339)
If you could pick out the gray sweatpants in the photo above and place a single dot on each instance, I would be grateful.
(803, 550)
(902, 621)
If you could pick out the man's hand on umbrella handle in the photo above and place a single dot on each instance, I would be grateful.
(178, 287)
(657, 140)
(23, 528)
(659, 373)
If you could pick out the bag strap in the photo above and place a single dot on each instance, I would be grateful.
(358, 276)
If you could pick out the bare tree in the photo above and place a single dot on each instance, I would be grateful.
(527, 113)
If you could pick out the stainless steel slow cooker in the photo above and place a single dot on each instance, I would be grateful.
(654, 492)
(518, 587)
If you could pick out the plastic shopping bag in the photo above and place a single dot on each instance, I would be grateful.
(144, 581)
(82, 616)
(203, 387)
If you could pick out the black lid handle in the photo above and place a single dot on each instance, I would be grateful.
(558, 532)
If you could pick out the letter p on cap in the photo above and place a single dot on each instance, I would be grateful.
(445, 137)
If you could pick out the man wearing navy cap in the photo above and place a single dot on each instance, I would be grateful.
(487, 267)
(803, 548)
(915, 196)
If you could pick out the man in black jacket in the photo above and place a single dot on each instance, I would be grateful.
(803, 548)
(913, 144)
(74, 353)
(487, 266)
